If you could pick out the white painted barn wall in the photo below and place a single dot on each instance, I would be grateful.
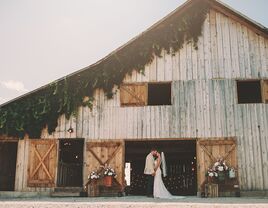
(204, 100)
(226, 51)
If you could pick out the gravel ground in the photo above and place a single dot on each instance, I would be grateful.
(132, 202)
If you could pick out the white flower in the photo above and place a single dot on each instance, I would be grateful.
(93, 175)
(216, 164)
(211, 174)
(221, 168)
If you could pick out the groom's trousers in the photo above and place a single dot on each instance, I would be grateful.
(150, 185)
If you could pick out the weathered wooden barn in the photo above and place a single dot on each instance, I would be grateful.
(200, 94)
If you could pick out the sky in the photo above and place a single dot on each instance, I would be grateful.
(44, 40)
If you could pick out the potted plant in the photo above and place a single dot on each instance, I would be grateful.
(220, 167)
(109, 173)
(219, 171)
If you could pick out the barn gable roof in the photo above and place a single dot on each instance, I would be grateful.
(31, 112)
(215, 4)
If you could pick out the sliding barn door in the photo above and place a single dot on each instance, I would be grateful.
(109, 152)
(42, 162)
(209, 150)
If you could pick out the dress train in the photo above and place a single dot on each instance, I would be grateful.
(160, 191)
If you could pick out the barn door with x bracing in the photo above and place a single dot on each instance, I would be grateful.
(209, 150)
(42, 162)
(109, 152)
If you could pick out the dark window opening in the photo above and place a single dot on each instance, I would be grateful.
(159, 94)
(249, 91)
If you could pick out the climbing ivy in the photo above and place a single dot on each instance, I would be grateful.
(40, 109)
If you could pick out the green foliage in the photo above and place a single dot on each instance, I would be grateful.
(43, 107)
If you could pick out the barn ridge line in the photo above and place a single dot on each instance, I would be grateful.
(215, 4)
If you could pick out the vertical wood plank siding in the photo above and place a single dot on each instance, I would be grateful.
(204, 99)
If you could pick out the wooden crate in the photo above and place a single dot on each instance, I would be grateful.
(93, 189)
(211, 190)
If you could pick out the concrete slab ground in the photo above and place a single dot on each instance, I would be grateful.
(133, 202)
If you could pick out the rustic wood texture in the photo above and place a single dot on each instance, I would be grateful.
(42, 163)
(20, 169)
(211, 190)
(265, 91)
(133, 94)
(208, 151)
(204, 99)
(103, 152)
(4, 138)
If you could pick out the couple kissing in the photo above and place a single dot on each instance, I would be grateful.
(155, 185)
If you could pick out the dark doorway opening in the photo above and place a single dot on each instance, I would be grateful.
(181, 165)
(8, 159)
(70, 167)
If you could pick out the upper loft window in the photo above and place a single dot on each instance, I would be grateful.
(142, 94)
(249, 91)
(159, 94)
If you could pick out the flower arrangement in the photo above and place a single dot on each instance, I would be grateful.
(93, 175)
(220, 165)
(108, 171)
(218, 170)
(211, 173)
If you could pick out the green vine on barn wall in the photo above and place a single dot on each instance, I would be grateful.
(40, 109)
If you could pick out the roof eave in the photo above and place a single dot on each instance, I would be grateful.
(178, 9)
(216, 4)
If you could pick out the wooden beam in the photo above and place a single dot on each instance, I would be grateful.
(41, 159)
(4, 138)
(112, 156)
(101, 144)
(208, 153)
(216, 142)
(228, 153)
(96, 157)
(34, 182)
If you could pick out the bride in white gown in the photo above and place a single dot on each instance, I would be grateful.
(160, 191)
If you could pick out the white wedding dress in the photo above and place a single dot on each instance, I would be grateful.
(160, 191)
